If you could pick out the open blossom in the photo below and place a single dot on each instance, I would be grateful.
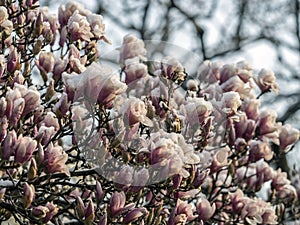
(45, 62)
(67, 10)
(132, 47)
(259, 150)
(266, 80)
(171, 153)
(55, 160)
(135, 111)
(173, 70)
(79, 27)
(288, 136)
(196, 110)
(230, 102)
(97, 26)
(134, 70)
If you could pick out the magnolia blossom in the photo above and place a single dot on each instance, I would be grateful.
(259, 150)
(45, 62)
(169, 153)
(196, 110)
(267, 122)
(134, 111)
(24, 149)
(96, 24)
(3, 14)
(208, 72)
(288, 136)
(205, 209)
(266, 80)
(134, 71)
(67, 10)
(55, 160)
(172, 69)
(132, 47)
(79, 27)
(230, 102)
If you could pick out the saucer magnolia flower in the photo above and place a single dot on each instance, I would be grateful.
(97, 26)
(288, 136)
(170, 153)
(24, 149)
(45, 62)
(205, 210)
(117, 204)
(135, 111)
(220, 159)
(173, 70)
(267, 122)
(230, 102)
(134, 71)
(79, 27)
(259, 150)
(196, 110)
(132, 47)
(3, 14)
(28, 195)
(55, 160)
(266, 81)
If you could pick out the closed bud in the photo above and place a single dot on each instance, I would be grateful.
(135, 214)
(2, 193)
(103, 220)
(32, 172)
(28, 195)
(99, 191)
(80, 208)
(40, 211)
(38, 25)
(13, 60)
(89, 213)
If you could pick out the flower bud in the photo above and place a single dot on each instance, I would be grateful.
(8, 145)
(103, 220)
(32, 172)
(38, 26)
(28, 195)
(2, 193)
(2, 65)
(53, 210)
(89, 213)
(134, 214)
(99, 192)
(13, 60)
(220, 159)
(40, 211)
(3, 128)
(80, 208)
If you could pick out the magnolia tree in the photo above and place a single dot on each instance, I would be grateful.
(136, 139)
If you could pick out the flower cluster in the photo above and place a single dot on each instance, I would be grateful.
(147, 143)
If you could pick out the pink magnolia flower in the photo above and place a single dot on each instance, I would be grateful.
(266, 81)
(135, 214)
(209, 72)
(205, 210)
(3, 14)
(55, 160)
(67, 10)
(24, 148)
(117, 204)
(230, 102)
(79, 27)
(267, 122)
(132, 47)
(196, 111)
(220, 159)
(97, 26)
(288, 136)
(182, 213)
(251, 107)
(13, 60)
(28, 197)
(45, 62)
(279, 180)
(135, 111)
(173, 70)
(259, 150)
(134, 71)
